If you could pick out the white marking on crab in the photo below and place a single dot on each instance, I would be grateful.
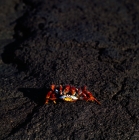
(69, 96)
(56, 91)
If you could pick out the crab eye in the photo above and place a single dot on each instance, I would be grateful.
(56, 91)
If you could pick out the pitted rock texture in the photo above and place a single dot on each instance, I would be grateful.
(93, 43)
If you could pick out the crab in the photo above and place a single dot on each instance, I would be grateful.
(69, 94)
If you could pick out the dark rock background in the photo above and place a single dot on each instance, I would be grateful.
(93, 43)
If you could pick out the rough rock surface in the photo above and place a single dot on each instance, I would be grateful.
(77, 42)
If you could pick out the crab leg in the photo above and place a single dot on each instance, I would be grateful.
(89, 95)
(66, 89)
(51, 95)
(60, 89)
(48, 97)
(92, 98)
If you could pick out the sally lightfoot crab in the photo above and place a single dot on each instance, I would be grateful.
(69, 93)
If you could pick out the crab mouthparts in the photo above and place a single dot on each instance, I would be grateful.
(68, 98)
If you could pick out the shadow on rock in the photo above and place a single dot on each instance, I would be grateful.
(8, 56)
(21, 33)
(36, 95)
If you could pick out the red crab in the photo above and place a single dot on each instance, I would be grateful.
(69, 93)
